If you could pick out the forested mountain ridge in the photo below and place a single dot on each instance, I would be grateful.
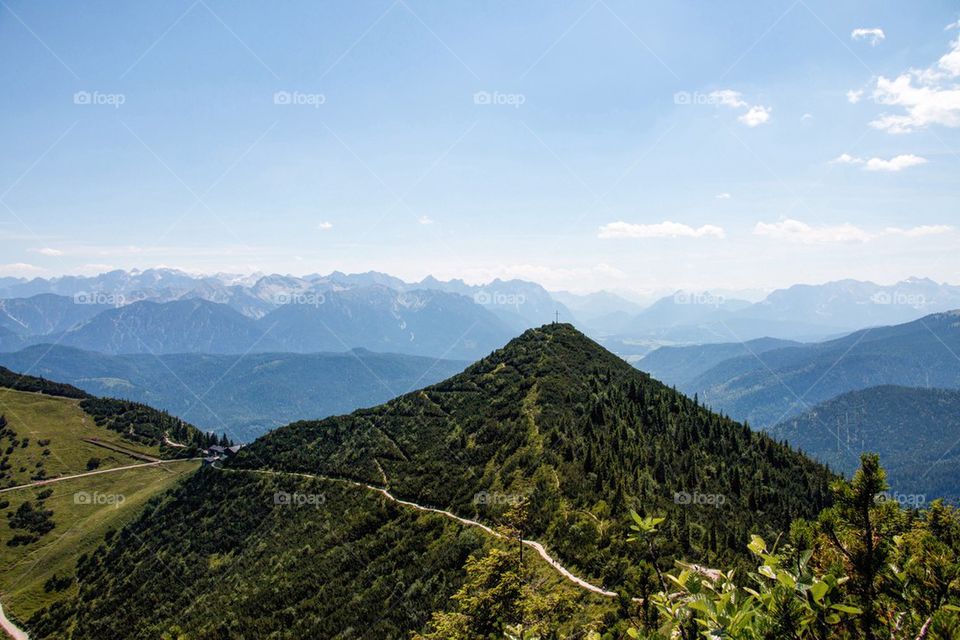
(915, 432)
(551, 419)
(769, 387)
(584, 435)
(677, 366)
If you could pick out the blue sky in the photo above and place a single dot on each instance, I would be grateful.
(585, 145)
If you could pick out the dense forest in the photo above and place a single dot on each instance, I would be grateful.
(552, 425)
(585, 436)
(19, 382)
(221, 558)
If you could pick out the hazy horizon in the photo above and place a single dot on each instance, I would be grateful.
(751, 294)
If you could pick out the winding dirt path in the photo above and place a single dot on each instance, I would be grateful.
(11, 629)
(40, 483)
(536, 546)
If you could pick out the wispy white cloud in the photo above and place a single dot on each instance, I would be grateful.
(854, 95)
(325, 226)
(664, 229)
(790, 230)
(872, 35)
(20, 269)
(755, 116)
(928, 96)
(48, 251)
(806, 117)
(722, 196)
(920, 231)
(846, 158)
(896, 163)
(425, 220)
(728, 98)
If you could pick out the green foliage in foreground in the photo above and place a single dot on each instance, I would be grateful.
(865, 569)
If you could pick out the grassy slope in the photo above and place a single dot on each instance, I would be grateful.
(79, 528)
(65, 424)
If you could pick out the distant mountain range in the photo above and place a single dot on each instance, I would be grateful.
(519, 304)
(678, 366)
(764, 385)
(242, 396)
(428, 323)
(434, 318)
(801, 312)
(915, 431)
